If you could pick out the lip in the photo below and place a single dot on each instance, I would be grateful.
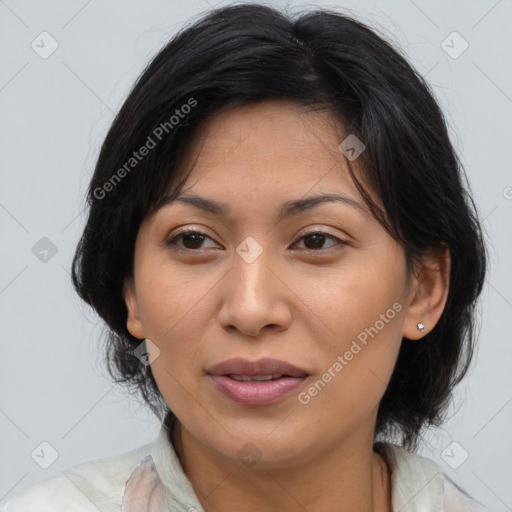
(240, 366)
(261, 392)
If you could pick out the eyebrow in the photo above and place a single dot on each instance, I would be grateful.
(288, 209)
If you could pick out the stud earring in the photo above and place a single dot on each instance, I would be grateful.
(421, 327)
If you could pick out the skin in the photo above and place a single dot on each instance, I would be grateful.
(302, 300)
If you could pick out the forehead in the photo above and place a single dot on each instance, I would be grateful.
(273, 143)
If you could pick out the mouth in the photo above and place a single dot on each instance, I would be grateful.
(266, 368)
(258, 378)
(256, 383)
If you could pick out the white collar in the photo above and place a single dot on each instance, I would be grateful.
(159, 484)
(417, 483)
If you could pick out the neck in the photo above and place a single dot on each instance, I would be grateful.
(349, 477)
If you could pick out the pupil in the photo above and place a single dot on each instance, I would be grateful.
(319, 240)
(198, 240)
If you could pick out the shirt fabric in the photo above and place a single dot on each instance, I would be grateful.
(151, 479)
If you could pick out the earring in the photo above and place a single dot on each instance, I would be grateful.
(421, 327)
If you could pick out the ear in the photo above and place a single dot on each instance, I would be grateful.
(133, 322)
(428, 293)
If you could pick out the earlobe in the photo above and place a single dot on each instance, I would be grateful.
(133, 323)
(428, 295)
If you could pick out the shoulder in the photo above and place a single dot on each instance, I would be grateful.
(418, 482)
(90, 486)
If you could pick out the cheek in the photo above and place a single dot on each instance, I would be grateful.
(173, 310)
(353, 375)
(172, 299)
(354, 295)
(362, 306)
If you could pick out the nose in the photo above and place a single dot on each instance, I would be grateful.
(255, 297)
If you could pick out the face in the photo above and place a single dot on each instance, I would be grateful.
(320, 286)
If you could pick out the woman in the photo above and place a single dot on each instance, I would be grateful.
(281, 245)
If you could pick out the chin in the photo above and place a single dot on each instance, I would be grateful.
(257, 449)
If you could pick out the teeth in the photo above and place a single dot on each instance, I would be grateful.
(245, 378)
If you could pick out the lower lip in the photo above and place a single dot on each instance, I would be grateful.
(257, 393)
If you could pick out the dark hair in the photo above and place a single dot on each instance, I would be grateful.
(322, 60)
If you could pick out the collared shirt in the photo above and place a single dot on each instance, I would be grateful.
(151, 479)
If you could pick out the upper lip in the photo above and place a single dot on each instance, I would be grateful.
(240, 366)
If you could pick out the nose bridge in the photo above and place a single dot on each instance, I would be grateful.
(252, 266)
(252, 300)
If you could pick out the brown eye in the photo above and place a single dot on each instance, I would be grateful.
(316, 239)
(191, 239)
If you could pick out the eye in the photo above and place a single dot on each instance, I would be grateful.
(317, 239)
(192, 240)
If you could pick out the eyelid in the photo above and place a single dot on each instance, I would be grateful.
(184, 228)
(314, 228)
(305, 231)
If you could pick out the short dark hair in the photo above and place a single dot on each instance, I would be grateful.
(320, 59)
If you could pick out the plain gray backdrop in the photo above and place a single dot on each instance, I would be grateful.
(66, 68)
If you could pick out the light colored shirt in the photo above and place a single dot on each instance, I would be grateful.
(151, 479)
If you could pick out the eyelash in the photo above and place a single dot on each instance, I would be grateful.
(172, 241)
